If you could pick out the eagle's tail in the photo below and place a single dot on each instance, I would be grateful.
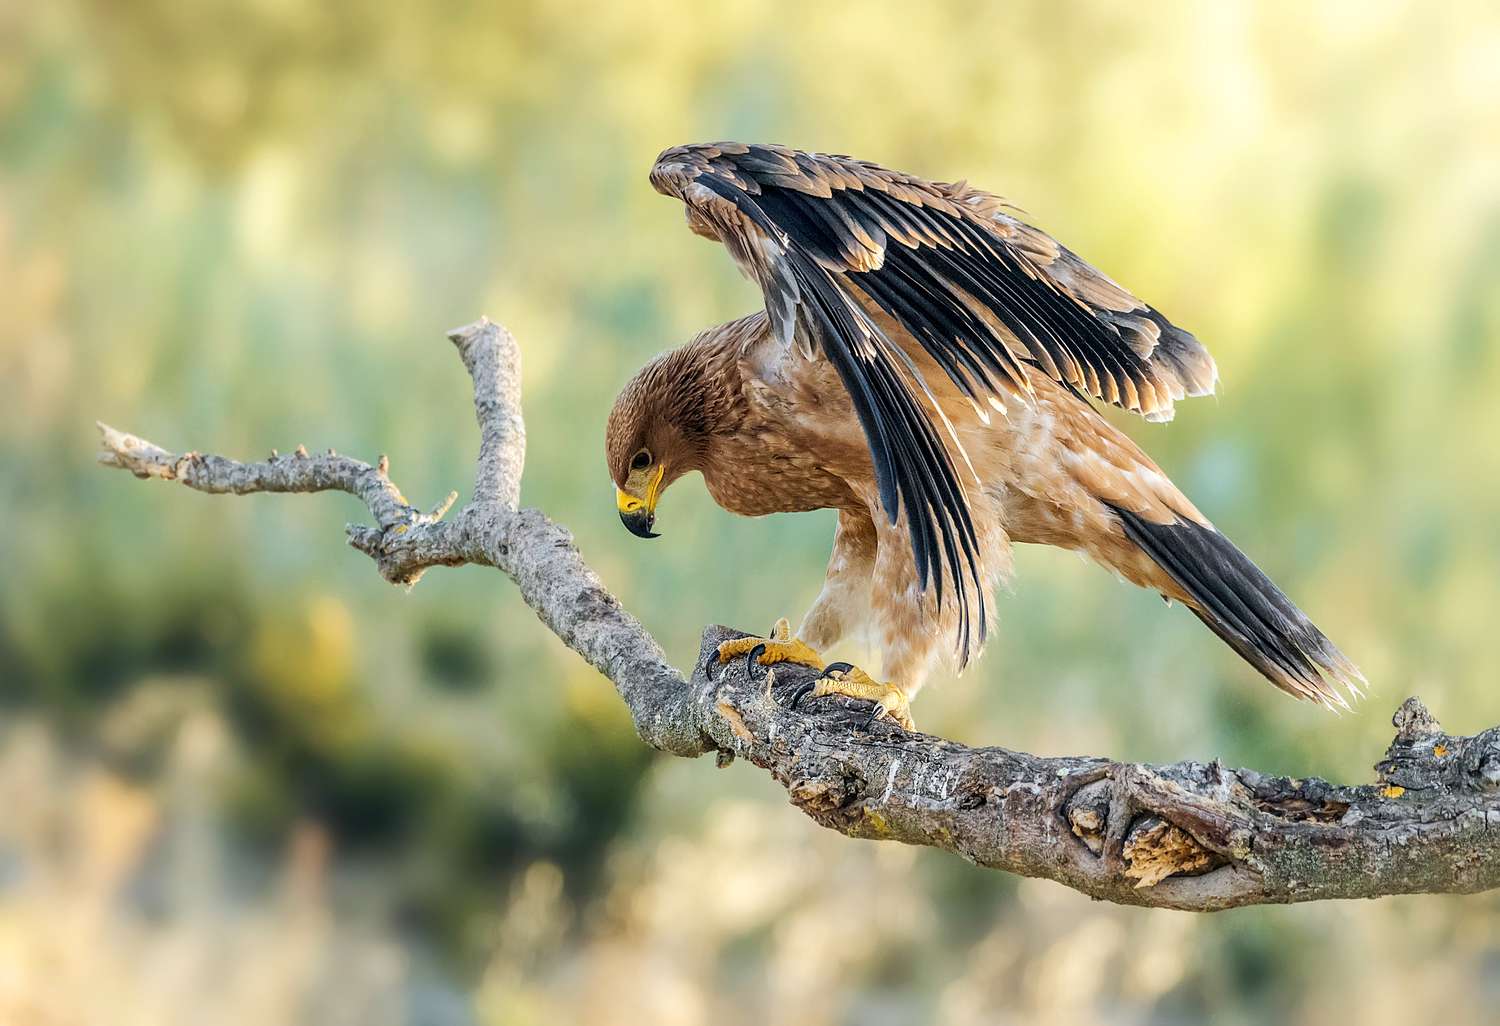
(1240, 604)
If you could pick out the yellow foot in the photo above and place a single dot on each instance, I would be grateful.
(837, 678)
(890, 701)
(780, 647)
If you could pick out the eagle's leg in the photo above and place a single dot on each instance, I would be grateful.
(843, 593)
(852, 682)
(779, 647)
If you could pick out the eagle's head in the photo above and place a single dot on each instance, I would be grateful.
(657, 432)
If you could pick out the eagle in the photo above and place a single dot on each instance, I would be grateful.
(928, 365)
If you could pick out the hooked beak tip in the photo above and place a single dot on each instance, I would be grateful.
(639, 523)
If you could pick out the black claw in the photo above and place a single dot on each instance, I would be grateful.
(832, 668)
(803, 690)
(750, 658)
(715, 661)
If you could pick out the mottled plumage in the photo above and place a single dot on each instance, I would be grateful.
(925, 364)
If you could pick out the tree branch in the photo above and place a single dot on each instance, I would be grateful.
(1187, 836)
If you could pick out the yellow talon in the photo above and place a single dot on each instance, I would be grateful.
(890, 701)
(780, 647)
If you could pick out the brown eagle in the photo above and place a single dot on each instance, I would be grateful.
(926, 364)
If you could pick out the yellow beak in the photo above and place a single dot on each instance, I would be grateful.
(639, 513)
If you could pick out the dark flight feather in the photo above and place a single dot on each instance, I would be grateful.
(1238, 602)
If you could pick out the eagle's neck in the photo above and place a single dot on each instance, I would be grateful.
(701, 387)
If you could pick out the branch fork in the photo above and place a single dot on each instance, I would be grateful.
(1187, 836)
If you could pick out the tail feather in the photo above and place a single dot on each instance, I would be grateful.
(1239, 603)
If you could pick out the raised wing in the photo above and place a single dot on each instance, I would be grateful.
(980, 291)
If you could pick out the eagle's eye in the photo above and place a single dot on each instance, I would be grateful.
(641, 460)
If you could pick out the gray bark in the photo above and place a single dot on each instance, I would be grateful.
(1186, 836)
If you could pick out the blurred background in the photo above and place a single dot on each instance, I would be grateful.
(245, 782)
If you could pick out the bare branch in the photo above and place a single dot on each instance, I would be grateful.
(536, 553)
(296, 473)
(1187, 836)
(494, 362)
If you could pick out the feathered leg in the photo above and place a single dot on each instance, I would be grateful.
(915, 633)
(843, 606)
